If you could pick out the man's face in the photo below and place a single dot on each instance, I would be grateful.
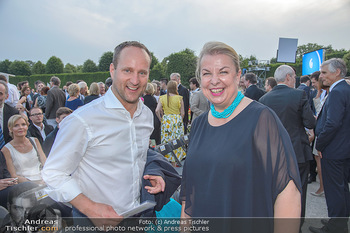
(36, 115)
(267, 86)
(102, 89)
(175, 78)
(291, 80)
(192, 86)
(327, 77)
(314, 83)
(130, 76)
(246, 82)
(59, 119)
(163, 85)
(40, 86)
(3, 95)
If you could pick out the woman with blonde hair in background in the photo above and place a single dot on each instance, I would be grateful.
(94, 93)
(170, 111)
(24, 156)
(73, 102)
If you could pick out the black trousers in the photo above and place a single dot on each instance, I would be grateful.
(304, 169)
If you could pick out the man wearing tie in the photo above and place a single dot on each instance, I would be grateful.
(332, 130)
(6, 111)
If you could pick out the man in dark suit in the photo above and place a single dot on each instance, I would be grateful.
(37, 128)
(332, 142)
(185, 95)
(253, 91)
(305, 85)
(6, 111)
(292, 107)
(54, 100)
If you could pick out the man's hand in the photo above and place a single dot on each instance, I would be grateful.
(104, 215)
(4, 183)
(319, 154)
(158, 184)
(101, 215)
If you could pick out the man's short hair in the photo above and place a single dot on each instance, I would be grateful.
(334, 64)
(251, 77)
(282, 71)
(55, 80)
(3, 78)
(177, 75)
(164, 80)
(108, 82)
(5, 85)
(304, 79)
(315, 75)
(63, 110)
(126, 44)
(271, 81)
(194, 81)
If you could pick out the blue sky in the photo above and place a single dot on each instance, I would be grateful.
(77, 30)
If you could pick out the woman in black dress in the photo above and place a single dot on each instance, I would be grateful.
(150, 101)
(240, 160)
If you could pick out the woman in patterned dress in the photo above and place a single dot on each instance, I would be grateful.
(170, 111)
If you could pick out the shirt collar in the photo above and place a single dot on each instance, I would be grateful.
(333, 85)
(112, 102)
(38, 127)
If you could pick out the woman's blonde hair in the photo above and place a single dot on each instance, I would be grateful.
(73, 90)
(149, 89)
(94, 89)
(213, 48)
(171, 88)
(12, 121)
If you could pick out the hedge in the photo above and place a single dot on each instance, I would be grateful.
(87, 77)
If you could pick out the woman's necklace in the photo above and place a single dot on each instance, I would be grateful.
(229, 110)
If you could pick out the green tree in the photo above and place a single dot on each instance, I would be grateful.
(89, 66)
(69, 68)
(105, 61)
(54, 66)
(157, 72)
(346, 58)
(309, 47)
(38, 68)
(5, 65)
(19, 68)
(184, 63)
(154, 61)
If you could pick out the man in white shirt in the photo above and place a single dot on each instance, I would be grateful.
(99, 155)
(13, 97)
(37, 128)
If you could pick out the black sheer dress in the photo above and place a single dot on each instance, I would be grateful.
(238, 169)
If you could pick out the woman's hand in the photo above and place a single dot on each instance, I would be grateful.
(8, 182)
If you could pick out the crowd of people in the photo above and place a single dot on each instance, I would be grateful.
(251, 153)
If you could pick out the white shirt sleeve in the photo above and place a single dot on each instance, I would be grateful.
(67, 152)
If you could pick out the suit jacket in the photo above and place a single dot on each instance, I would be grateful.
(305, 88)
(34, 132)
(199, 104)
(333, 124)
(55, 99)
(8, 112)
(254, 92)
(157, 165)
(292, 107)
(186, 98)
(49, 140)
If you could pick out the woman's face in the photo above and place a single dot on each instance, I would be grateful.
(219, 80)
(20, 128)
(27, 91)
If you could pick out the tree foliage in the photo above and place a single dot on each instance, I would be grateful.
(154, 61)
(346, 58)
(54, 66)
(105, 61)
(89, 66)
(19, 68)
(69, 68)
(5, 65)
(157, 72)
(38, 68)
(184, 63)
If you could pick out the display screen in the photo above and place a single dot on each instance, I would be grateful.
(312, 61)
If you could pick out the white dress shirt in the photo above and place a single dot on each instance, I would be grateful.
(100, 151)
(13, 98)
(41, 130)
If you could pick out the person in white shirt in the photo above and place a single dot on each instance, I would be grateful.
(99, 155)
(13, 98)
